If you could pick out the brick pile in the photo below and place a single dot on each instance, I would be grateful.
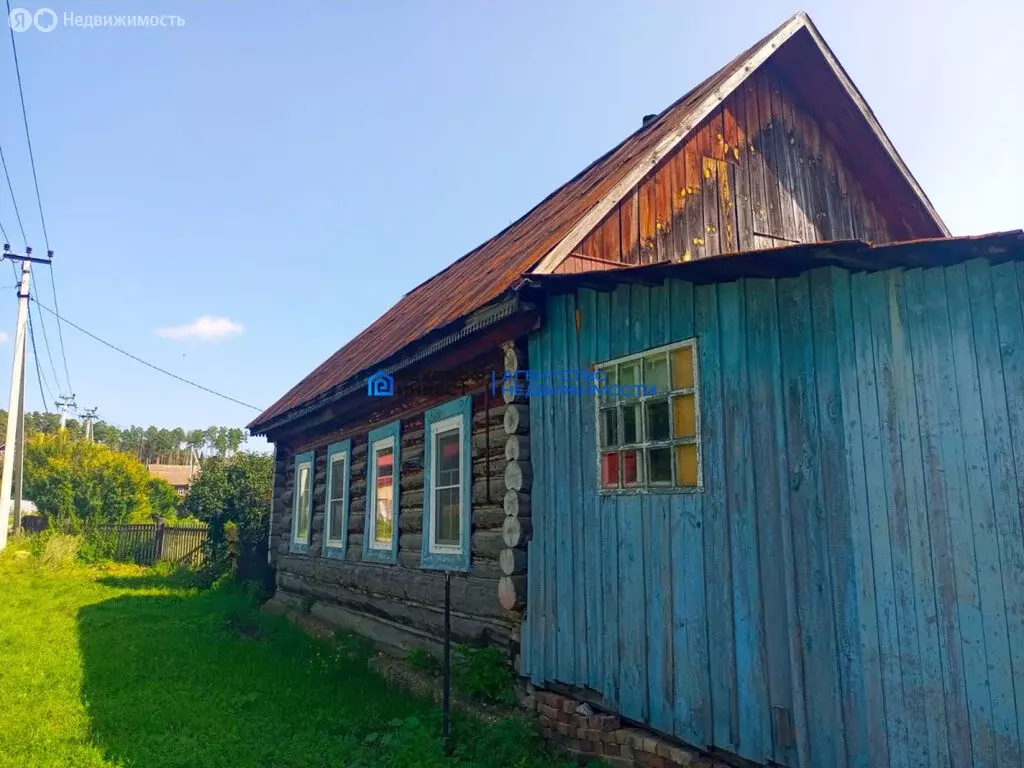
(563, 722)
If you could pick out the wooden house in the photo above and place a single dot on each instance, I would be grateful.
(722, 584)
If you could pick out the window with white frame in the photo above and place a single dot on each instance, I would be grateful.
(303, 510)
(382, 490)
(446, 486)
(336, 514)
(648, 420)
(447, 498)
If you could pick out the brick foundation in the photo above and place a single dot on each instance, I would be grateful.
(604, 736)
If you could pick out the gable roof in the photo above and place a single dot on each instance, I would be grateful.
(540, 238)
(175, 474)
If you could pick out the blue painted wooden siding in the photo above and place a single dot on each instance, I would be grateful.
(855, 565)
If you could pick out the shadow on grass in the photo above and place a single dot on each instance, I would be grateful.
(203, 679)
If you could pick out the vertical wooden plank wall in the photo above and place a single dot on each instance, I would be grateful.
(756, 173)
(848, 590)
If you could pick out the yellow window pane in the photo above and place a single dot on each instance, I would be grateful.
(682, 368)
(686, 465)
(684, 409)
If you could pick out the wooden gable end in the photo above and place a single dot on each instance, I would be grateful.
(757, 173)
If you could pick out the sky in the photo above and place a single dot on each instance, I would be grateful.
(234, 198)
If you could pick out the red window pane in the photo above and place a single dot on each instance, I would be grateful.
(610, 470)
(629, 468)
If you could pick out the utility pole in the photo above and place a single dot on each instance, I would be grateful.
(14, 449)
(19, 455)
(89, 415)
(64, 404)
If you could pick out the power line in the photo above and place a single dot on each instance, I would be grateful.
(140, 360)
(39, 372)
(49, 354)
(39, 202)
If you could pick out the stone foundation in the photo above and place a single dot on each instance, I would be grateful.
(576, 728)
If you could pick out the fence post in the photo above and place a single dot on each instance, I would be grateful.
(159, 541)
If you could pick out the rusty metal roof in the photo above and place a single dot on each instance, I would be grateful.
(794, 260)
(491, 269)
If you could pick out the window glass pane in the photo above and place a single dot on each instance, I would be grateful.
(338, 477)
(610, 470)
(337, 523)
(657, 420)
(447, 446)
(447, 522)
(656, 372)
(682, 368)
(630, 468)
(659, 465)
(382, 528)
(302, 529)
(610, 427)
(608, 379)
(629, 376)
(685, 413)
(631, 424)
(686, 465)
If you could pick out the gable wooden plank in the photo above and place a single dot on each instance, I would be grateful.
(727, 219)
(648, 231)
(928, 699)
(693, 208)
(752, 155)
(932, 403)
(736, 110)
(771, 147)
(663, 213)
(1004, 537)
(629, 215)
(795, 150)
(680, 247)
(770, 471)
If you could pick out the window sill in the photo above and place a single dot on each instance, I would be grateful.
(648, 491)
(445, 561)
(299, 548)
(334, 552)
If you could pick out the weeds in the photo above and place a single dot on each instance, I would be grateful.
(423, 660)
(60, 551)
(483, 674)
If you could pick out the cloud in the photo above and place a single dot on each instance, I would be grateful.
(206, 328)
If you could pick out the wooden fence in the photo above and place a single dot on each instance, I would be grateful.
(148, 543)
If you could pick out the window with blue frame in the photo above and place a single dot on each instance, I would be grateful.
(336, 512)
(380, 538)
(447, 513)
(302, 510)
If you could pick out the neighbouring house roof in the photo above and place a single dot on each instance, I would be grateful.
(175, 474)
(794, 260)
(549, 231)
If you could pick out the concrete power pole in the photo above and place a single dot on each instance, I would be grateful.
(64, 403)
(90, 416)
(12, 447)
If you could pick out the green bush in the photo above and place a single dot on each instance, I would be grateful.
(422, 659)
(483, 674)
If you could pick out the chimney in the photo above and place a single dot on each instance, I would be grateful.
(648, 119)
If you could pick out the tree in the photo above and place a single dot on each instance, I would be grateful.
(75, 481)
(236, 489)
(163, 499)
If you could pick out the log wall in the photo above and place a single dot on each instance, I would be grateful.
(401, 605)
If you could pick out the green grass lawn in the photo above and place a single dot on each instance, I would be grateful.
(121, 666)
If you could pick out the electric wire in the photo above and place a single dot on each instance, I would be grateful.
(39, 371)
(140, 360)
(39, 202)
